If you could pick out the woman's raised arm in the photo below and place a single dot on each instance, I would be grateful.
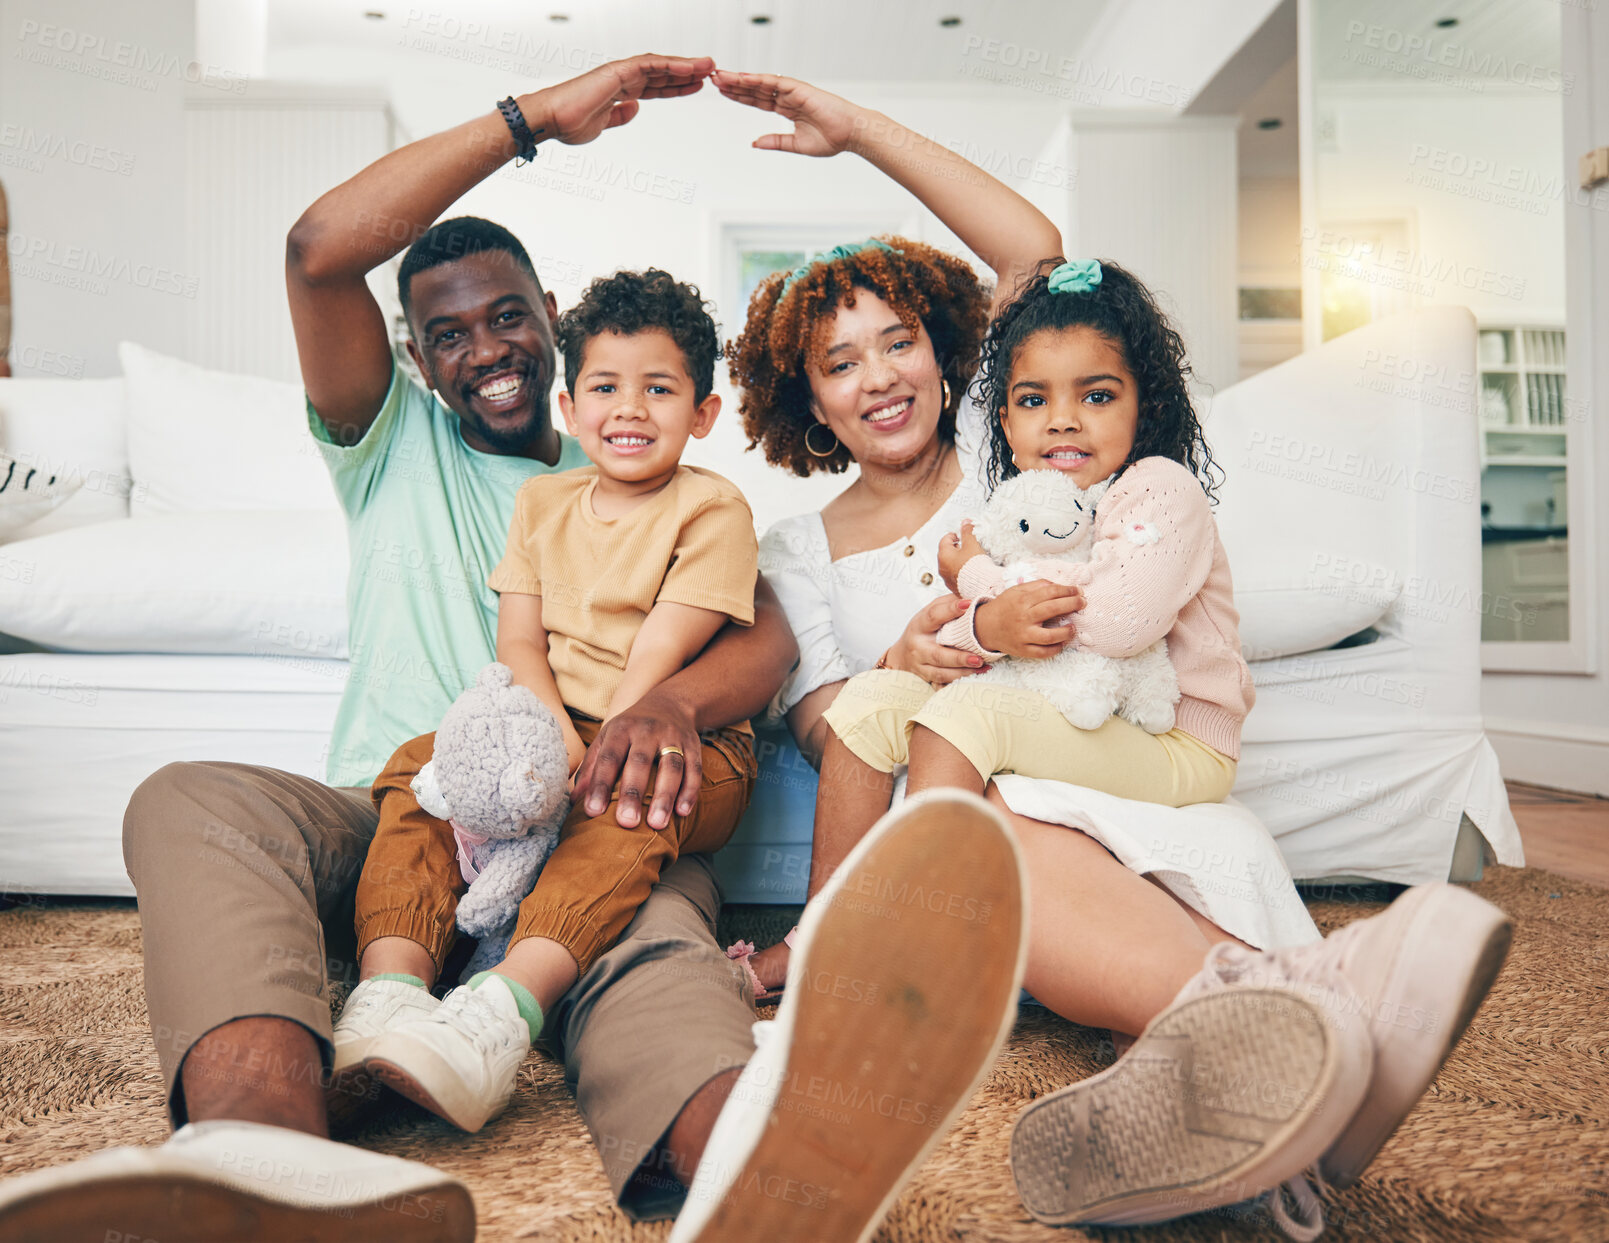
(1008, 232)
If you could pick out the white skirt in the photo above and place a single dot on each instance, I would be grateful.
(1216, 858)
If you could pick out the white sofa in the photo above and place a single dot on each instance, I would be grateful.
(187, 603)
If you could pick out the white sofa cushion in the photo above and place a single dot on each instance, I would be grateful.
(1320, 480)
(73, 429)
(1294, 613)
(210, 440)
(28, 493)
(253, 583)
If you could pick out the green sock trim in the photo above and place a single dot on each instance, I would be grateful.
(402, 977)
(529, 1010)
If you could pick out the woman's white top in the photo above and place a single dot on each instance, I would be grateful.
(1216, 858)
(846, 613)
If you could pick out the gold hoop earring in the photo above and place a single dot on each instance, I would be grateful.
(815, 452)
(946, 391)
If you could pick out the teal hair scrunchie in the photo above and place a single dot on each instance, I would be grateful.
(843, 251)
(1076, 276)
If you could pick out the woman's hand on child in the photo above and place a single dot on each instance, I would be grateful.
(1023, 621)
(628, 752)
(955, 550)
(919, 651)
(823, 123)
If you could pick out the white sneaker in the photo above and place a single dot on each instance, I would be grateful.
(374, 1008)
(902, 987)
(240, 1181)
(459, 1061)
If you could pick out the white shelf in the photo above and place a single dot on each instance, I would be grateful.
(1528, 373)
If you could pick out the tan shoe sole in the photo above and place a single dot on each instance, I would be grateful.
(1222, 1098)
(179, 1208)
(902, 988)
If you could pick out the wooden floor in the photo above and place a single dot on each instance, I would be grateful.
(1563, 833)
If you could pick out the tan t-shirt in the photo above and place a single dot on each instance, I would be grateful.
(691, 543)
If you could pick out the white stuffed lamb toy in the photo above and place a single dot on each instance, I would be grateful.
(498, 774)
(1035, 526)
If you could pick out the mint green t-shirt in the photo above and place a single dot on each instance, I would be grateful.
(427, 521)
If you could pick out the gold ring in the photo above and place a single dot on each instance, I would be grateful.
(664, 751)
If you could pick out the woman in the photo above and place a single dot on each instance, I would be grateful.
(863, 356)
(860, 579)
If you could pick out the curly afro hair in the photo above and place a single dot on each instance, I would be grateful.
(1121, 309)
(633, 302)
(769, 361)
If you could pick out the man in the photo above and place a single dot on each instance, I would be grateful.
(246, 875)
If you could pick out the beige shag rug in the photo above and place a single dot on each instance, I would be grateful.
(1511, 1142)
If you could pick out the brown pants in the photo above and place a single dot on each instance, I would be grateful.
(247, 877)
(591, 886)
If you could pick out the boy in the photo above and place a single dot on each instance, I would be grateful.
(615, 576)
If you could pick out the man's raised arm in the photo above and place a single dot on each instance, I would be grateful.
(341, 335)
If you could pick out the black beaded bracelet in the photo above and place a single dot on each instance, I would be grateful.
(524, 140)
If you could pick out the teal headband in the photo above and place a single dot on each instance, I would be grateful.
(1077, 276)
(832, 256)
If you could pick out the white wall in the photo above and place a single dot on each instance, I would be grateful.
(1270, 230)
(1163, 52)
(1554, 729)
(256, 160)
(1157, 193)
(1477, 175)
(92, 154)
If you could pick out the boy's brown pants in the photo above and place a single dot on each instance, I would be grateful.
(596, 879)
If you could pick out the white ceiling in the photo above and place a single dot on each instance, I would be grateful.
(1398, 40)
(894, 40)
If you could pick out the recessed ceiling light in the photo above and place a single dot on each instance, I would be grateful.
(374, 15)
(949, 21)
(558, 17)
(760, 19)
(1270, 123)
(1447, 23)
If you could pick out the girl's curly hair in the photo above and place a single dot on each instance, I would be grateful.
(769, 360)
(1121, 309)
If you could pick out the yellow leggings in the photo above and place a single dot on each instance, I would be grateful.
(1004, 729)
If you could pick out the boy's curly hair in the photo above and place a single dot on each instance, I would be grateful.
(633, 302)
(769, 360)
(1121, 309)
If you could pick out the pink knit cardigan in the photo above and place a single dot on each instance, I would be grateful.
(1158, 570)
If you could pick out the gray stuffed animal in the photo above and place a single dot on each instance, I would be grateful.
(498, 774)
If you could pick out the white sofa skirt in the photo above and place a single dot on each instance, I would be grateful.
(1364, 786)
(78, 733)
